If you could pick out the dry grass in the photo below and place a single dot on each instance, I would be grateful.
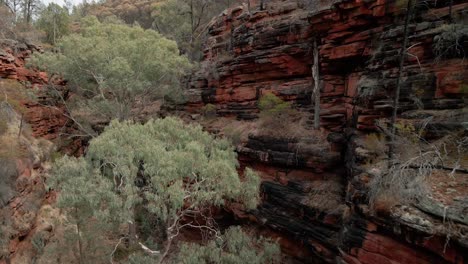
(375, 143)
(414, 162)
(15, 94)
(327, 196)
(236, 131)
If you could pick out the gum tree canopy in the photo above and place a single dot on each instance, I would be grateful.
(113, 67)
(163, 168)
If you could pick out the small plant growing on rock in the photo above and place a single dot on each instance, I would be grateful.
(209, 110)
(405, 178)
(270, 104)
(276, 116)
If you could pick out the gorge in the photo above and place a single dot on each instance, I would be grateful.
(316, 184)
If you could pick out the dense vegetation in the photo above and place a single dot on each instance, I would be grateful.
(142, 182)
(113, 68)
(145, 185)
(163, 171)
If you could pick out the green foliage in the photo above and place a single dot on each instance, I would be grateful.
(113, 67)
(140, 258)
(450, 43)
(55, 21)
(131, 12)
(209, 110)
(278, 118)
(190, 154)
(38, 241)
(162, 166)
(270, 104)
(91, 206)
(407, 130)
(234, 247)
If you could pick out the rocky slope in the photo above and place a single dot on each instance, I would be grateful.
(316, 199)
(29, 121)
(45, 114)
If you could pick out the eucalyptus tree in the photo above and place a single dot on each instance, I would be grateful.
(165, 169)
(112, 68)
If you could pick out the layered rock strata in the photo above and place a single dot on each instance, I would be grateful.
(318, 198)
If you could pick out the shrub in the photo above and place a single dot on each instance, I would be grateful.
(450, 42)
(3, 124)
(233, 134)
(367, 87)
(277, 118)
(375, 143)
(270, 104)
(209, 110)
(162, 166)
(15, 93)
(39, 242)
(404, 179)
(8, 174)
(235, 246)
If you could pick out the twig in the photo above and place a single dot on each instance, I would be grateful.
(115, 249)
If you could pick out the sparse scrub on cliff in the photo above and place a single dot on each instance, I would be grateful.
(414, 161)
(326, 195)
(451, 41)
(279, 119)
(367, 87)
(14, 93)
(376, 144)
(209, 110)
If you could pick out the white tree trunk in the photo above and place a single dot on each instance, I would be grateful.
(316, 90)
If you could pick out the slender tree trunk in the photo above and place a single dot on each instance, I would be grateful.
(396, 98)
(191, 20)
(80, 242)
(28, 15)
(132, 233)
(316, 91)
(55, 23)
(21, 126)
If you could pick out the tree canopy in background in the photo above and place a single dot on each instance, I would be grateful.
(186, 21)
(55, 21)
(113, 67)
(172, 170)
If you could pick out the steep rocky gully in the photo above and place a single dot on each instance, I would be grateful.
(314, 198)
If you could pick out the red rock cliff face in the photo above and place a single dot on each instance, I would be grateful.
(46, 118)
(251, 53)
